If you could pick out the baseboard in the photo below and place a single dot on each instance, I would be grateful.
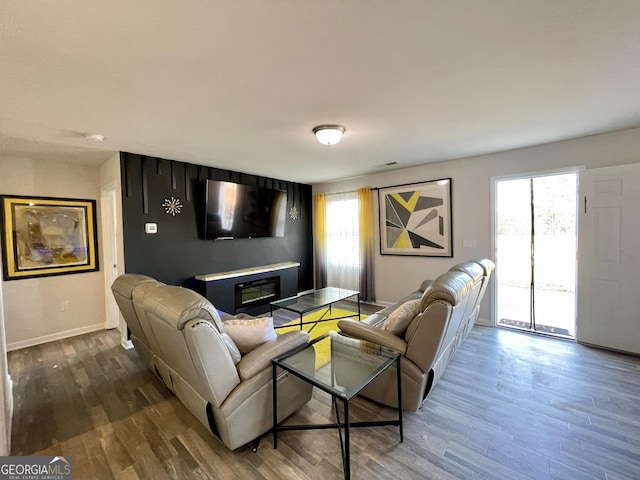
(381, 303)
(485, 322)
(54, 336)
(128, 345)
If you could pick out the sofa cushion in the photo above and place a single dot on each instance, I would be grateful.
(451, 287)
(401, 317)
(248, 333)
(474, 270)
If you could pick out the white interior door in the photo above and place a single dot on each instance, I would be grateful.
(609, 258)
(109, 242)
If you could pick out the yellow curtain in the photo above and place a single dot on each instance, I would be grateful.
(320, 238)
(366, 237)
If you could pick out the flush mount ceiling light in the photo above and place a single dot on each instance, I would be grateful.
(94, 137)
(329, 134)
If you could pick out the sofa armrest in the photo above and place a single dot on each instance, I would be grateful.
(259, 358)
(360, 330)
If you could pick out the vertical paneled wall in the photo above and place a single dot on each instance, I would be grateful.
(177, 252)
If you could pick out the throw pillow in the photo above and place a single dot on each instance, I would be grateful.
(247, 334)
(401, 317)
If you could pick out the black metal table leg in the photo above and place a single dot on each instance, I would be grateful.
(275, 407)
(347, 453)
(399, 377)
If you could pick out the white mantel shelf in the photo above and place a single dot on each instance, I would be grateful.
(246, 271)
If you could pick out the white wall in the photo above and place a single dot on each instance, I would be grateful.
(396, 276)
(32, 311)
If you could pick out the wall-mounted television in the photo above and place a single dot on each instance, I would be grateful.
(234, 210)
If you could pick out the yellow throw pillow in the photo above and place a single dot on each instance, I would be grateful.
(248, 333)
(401, 317)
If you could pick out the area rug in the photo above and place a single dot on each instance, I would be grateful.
(323, 353)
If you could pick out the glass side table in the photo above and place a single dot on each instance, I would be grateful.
(350, 366)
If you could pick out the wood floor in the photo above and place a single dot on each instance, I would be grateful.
(509, 406)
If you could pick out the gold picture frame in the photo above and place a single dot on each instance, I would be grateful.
(415, 219)
(44, 236)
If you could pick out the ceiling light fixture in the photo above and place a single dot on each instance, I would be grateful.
(94, 137)
(329, 134)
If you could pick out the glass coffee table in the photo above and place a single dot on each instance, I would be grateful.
(316, 300)
(351, 365)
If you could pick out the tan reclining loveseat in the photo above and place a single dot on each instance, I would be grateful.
(426, 327)
(179, 335)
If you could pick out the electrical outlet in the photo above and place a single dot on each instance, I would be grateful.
(64, 305)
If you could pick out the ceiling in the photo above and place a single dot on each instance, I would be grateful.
(240, 84)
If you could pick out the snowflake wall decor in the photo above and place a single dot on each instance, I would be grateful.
(172, 206)
(293, 213)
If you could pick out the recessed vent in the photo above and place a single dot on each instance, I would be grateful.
(388, 164)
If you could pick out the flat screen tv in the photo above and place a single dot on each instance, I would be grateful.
(234, 210)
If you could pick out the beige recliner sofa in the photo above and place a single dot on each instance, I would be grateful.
(179, 335)
(442, 315)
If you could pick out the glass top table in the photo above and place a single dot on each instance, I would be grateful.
(342, 367)
(316, 300)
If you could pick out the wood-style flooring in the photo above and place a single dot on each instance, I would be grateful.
(509, 406)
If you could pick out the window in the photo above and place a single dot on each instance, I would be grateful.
(343, 240)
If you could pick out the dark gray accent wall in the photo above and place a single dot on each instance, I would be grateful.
(177, 252)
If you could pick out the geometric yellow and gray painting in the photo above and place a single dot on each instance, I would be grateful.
(414, 220)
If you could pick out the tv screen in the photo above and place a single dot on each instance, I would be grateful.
(234, 210)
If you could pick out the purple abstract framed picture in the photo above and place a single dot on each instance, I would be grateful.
(48, 236)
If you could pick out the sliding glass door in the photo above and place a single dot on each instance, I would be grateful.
(535, 238)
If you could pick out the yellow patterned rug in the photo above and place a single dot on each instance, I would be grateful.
(323, 355)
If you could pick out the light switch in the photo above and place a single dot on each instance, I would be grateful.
(151, 228)
(469, 243)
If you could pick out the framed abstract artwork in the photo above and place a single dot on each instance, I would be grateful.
(415, 219)
(47, 236)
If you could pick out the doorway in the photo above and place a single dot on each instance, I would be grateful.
(535, 240)
(108, 208)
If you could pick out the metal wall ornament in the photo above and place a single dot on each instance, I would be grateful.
(294, 213)
(172, 206)
(415, 219)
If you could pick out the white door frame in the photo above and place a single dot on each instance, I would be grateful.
(6, 388)
(108, 195)
(494, 224)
